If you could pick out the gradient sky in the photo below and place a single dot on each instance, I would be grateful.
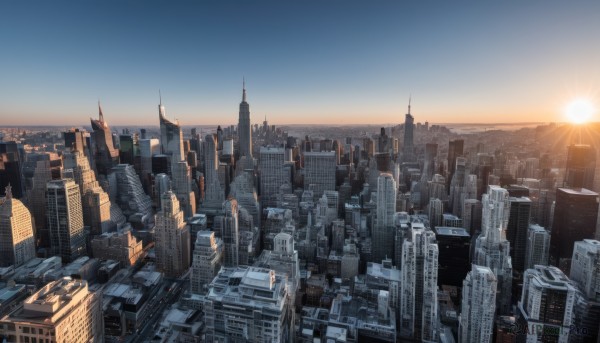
(304, 62)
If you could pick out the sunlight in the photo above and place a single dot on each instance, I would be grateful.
(580, 111)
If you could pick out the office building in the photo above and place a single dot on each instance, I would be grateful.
(248, 304)
(585, 268)
(119, 246)
(229, 226)
(171, 137)
(476, 323)
(575, 218)
(516, 231)
(172, 237)
(319, 172)
(208, 258)
(17, 242)
(65, 219)
(384, 228)
(63, 311)
(272, 174)
(455, 149)
(546, 305)
(244, 127)
(454, 246)
(408, 148)
(418, 294)
(538, 246)
(581, 166)
(127, 192)
(214, 195)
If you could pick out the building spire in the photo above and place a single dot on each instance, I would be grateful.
(161, 108)
(100, 115)
(409, 99)
(8, 192)
(243, 89)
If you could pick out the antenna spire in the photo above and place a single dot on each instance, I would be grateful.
(100, 115)
(409, 99)
(243, 89)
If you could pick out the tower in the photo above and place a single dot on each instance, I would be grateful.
(65, 219)
(581, 165)
(208, 258)
(272, 174)
(384, 228)
(319, 172)
(409, 127)
(476, 323)
(244, 127)
(171, 137)
(516, 231)
(172, 237)
(230, 233)
(17, 243)
(105, 154)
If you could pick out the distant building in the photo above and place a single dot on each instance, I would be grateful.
(409, 127)
(244, 127)
(17, 243)
(63, 311)
(105, 154)
(478, 306)
(319, 172)
(581, 166)
(272, 174)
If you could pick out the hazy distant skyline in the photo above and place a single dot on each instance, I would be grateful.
(315, 62)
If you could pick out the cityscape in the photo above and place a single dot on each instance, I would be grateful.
(404, 223)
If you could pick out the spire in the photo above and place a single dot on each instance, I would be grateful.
(243, 89)
(8, 192)
(161, 108)
(100, 115)
(409, 98)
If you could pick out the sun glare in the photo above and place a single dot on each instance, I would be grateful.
(580, 111)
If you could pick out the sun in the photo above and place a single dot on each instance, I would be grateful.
(580, 111)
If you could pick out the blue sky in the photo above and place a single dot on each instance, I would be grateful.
(304, 62)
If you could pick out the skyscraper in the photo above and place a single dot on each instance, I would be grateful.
(230, 233)
(214, 194)
(272, 174)
(127, 192)
(581, 165)
(418, 294)
(65, 219)
(455, 149)
(454, 246)
(319, 172)
(17, 243)
(172, 237)
(409, 127)
(492, 249)
(63, 311)
(384, 228)
(11, 164)
(37, 202)
(171, 137)
(546, 303)
(575, 217)
(516, 231)
(585, 268)
(105, 154)
(208, 258)
(244, 127)
(538, 246)
(476, 323)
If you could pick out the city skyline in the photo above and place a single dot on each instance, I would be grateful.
(314, 63)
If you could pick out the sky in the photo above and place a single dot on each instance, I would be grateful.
(305, 62)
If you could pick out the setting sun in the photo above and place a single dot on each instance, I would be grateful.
(580, 111)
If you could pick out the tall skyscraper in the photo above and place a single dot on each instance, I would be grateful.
(63, 311)
(182, 187)
(454, 249)
(546, 305)
(575, 217)
(581, 166)
(65, 219)
(127, 192)
(17, 242)
(214, 193)
(230, 233)
(244, 127)
(516, 231)
(585, 268)
(272, 174)
(455, 149)
(384, 228)
(476, 323)
(492, 250)
(11, 163)
(172, 237)
(171, 137)
(208, 258)
(37, 202)
(538, 246)
(409, 127)
(319, 172)
(418, 294)
(105, 154)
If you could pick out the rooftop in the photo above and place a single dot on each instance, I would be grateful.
(451, 231)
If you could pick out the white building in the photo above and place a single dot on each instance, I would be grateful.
(476, 323)
(585, 268)
(538, 246)
(17, 244)
(208, 258)
(384, 228)
(172, 237)
(272, 174)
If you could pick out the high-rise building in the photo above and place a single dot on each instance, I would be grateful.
(585, 268)
(76, 139)
(546, 306)
(63, 311)
(581, 166)
(230, 233)
(244, 127)
(105, 154)
(65, 219)
(435, 211)
(208, 258)
(172, 237)
(127, 192)
(418, 294)
(11, 163)
(455, 149)
(492, 250)
(37, 202)
(248, 304)
(538, 246)
(182, 187)
(119, 246)
(171, 137)
(454, 246)
(17, 242)
(478, 309)
(272, 174)
(319, 172)
(516, 231)
(575, 217)
(409, 126)
(384, 228)
(214, 193)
